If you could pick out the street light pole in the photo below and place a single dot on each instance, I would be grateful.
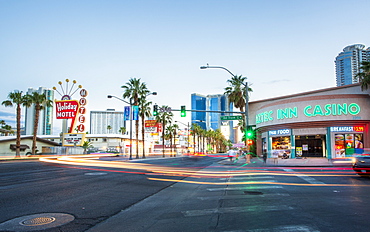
(130, 103)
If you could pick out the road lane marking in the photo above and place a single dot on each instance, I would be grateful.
(245, 188)
(230, 197)
(290, 228)
(248, 177)
(255, 208)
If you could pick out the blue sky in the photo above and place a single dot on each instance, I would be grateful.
(282, 46)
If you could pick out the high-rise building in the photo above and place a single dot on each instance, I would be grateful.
(211, 120)
(45, 126)
(100, 120)
(348, 63)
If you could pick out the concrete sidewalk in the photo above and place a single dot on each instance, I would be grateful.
(301, 162)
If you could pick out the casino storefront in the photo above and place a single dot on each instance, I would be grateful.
(329, 123)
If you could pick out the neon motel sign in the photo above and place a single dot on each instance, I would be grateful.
(67, 109)
(309, 111)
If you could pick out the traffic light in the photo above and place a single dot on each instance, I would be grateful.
(249, 133)
(155, 110)
(183, 111)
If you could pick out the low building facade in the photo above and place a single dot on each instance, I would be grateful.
(331, 123)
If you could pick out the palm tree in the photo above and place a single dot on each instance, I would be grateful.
(364, 76)
(86, 145)
(122, 130)
(164, 117)
(134, 90)
(236, 94)
(145, 111)
(236, 91)
(175, 128)
(18, 99)
(168, 136)
(195, 130)
(40, 101)
(109, 128)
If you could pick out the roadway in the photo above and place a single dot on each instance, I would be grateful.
(211, 195)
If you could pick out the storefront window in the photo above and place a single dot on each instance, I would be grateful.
(280, 145)
(347, 145)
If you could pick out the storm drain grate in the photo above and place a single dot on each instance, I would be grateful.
(252, 193)
(37, 221)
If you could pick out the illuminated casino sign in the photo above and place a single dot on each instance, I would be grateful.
(309, 111)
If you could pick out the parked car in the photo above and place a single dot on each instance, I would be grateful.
(361, 165)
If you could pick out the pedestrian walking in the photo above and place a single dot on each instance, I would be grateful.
(264, 156)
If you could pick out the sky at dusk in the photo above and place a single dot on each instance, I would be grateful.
(282, 46)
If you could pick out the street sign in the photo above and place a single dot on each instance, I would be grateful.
(239, 117)
(165, 109)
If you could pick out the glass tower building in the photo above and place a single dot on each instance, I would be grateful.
(211, 120)
(348, 63)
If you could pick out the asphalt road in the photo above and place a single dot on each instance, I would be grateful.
(248, 199)
(255, 199)
(91, 195)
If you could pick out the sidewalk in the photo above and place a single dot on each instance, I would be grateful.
(302, 162)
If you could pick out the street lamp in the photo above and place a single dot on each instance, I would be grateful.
(188, 142)
(130, 103)
(246, 91)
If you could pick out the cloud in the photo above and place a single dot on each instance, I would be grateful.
(8, 117)
(277, 81)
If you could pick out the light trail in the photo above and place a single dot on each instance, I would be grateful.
(156, 170)
(257, 183)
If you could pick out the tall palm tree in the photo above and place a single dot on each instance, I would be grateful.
(169, 135)
(164, 117)
(40, 101)
(364, 76)
(145, 111)
(196, 130)
(134, 90)
(235, 92)
(175, 128)
(16, 98)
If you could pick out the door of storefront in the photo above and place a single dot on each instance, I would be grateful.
(310, 145)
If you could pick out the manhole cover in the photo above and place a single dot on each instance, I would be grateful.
(38, 221)
(252, 193)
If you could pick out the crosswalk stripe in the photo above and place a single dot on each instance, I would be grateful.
(309, 179)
